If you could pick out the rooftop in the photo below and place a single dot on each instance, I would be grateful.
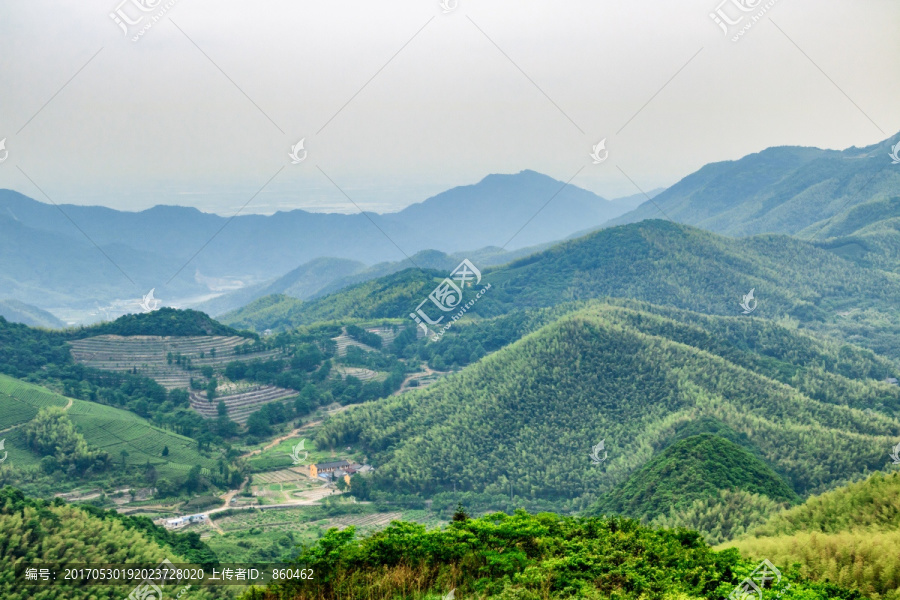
(332, 465)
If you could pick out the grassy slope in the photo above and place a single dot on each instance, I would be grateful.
(104, 427)
(849, 536)
(530, 413)
(389, 296)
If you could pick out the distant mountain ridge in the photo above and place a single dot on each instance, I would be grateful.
(778, 190)
(151, 246)
(324, 276)
(19, 312)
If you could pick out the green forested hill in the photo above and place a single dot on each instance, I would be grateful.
(868, 234)
(693, 469)
(527, 416)
(869, 505)
(395, 295)
(529, 557)
(33, 531)
(165, 321)
(848, 536)
(778, 190)
(653, 261)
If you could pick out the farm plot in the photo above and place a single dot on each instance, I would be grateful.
(20, 402)
(149, 355)
(291, 475)
(278, 457)
(387, 335)
(104, 427)
(366, 523)
(359, 372)
(114, 430)
(240, 406)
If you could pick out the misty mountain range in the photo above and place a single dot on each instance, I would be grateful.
(49, 254)
(49, 257)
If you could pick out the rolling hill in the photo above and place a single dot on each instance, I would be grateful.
(692, 469)
(867, 234)
(165, 321)
(848, 536)
(653, 261)
(322, 277)
(779, 190)
(37, 531)
(528, 415)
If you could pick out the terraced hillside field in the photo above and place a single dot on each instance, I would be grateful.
(387, 335)
(104, 427)
(240, 406)
(149, 355)
(20, 402)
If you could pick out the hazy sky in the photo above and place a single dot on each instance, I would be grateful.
(398, 101)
